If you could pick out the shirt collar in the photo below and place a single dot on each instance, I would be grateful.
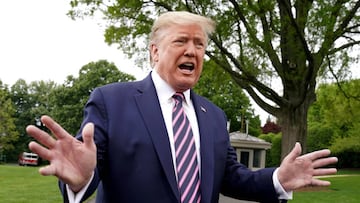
(164, 90)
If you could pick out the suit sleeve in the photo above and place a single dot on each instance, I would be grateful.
(241, 183)
(94, 112)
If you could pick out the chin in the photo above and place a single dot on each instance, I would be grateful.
(185, 83)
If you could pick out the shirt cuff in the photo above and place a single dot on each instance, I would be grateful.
(76, 198)
(279, 189)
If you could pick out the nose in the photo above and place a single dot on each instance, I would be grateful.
(190, 50)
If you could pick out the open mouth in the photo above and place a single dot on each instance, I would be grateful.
(187, 66)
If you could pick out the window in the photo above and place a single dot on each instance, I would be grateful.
(257, 158)
(244, 158)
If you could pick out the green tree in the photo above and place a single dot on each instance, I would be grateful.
(68, 100)
(217, 85)
(22, 102)
(335, 109)
(292, 40)
(8, 133)
(30, 101)
(334, 121)
(347, 149)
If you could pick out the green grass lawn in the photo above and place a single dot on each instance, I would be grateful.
(19, 184)
(344, 188)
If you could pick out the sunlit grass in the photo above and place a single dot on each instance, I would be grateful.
(20, 184)
(344, 189)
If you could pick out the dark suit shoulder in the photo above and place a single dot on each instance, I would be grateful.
(205, 102)
(121, 87)
(118, 86)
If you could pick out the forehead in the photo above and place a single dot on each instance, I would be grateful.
(189, 30)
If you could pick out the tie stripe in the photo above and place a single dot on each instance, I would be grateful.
(186, 158)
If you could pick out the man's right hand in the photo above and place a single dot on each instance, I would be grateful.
(71, 160)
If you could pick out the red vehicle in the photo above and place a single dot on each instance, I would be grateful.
(27, 158)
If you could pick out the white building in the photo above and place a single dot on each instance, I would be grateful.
(250, 150)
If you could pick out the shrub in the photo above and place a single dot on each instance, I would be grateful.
(348, 151)
(273, 155)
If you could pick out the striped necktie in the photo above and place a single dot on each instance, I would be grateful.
(186, 157)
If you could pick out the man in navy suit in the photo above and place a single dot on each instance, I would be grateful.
(126, 146)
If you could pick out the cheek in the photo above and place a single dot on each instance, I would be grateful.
(200, 65)
(200, 59)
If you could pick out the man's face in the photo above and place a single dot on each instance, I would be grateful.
(178, 55)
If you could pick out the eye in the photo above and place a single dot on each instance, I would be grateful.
(180, 41)
(200, 45)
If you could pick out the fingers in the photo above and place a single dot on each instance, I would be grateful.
(41, 136)
(48, 170)
(324, 171)
(40, 150)
(321, 162)
(317, 182)
(316, 154)
(88, 135)
(54, 127)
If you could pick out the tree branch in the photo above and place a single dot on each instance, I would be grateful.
(264, 90)
(346, 20)
(246, 24)
(338, 83)
(344, 46)
(268, 47)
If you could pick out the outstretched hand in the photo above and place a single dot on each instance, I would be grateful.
(298, 171)
(71, 160)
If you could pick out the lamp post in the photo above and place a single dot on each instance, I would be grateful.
(247, 127)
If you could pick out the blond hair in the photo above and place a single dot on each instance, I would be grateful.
(180, 18)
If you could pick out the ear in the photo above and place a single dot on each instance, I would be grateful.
(154, 53)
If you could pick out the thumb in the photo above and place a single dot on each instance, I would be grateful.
(295, 152)
(88, 135)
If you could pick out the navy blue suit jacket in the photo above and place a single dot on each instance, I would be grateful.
(134, 163)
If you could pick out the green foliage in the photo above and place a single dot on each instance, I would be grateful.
(20, 95)
(341, 105)
(25, 103)
(217, 85)
(256, 42)
(252, 32)
(8, 133)
(319, 137)
(348, 151)
(273, 155)
(31, 101)
(68, 100)
(334, 121)
(337, 107)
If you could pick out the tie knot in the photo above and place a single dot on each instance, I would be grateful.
(178, 96)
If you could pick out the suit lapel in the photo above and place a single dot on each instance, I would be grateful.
(206, 149)
(148, 105)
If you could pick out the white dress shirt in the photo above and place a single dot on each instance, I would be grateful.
(165, 93)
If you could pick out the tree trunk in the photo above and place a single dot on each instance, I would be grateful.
(293, 123)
